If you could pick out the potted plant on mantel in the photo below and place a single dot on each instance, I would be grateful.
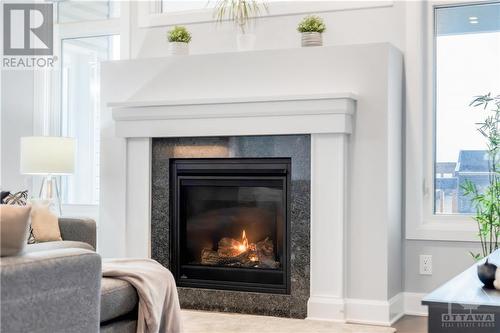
(179, 38)
(311, 29)
(487, 201)
(241, 12)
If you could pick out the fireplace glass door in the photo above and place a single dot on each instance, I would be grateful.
(230, 223)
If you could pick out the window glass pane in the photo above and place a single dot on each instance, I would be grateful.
(77, 11)
(80, 109)
(467, 42)
(172, 6)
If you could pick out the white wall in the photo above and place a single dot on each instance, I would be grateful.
(449, 259)
(17, 121)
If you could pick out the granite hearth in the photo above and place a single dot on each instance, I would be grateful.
(295, 147)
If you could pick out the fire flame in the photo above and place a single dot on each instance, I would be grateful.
(243, 246)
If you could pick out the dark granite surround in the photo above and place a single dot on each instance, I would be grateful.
(298, 148)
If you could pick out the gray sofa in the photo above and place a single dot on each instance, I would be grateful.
(57, 287)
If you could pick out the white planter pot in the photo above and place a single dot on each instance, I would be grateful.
(178, 48)
(311, 39)
(245, 42)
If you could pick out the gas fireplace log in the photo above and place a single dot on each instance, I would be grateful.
(260, 254)
(265, 248)
(210, 257)
(265, 254)
(228, 247)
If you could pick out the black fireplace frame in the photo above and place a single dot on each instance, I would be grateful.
(230, 169)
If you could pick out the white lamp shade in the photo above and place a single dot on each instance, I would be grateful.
(42, 155)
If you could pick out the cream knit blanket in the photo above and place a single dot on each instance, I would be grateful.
(159, 310)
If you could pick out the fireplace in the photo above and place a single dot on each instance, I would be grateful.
(230, 226)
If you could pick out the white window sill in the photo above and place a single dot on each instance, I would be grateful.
(457, 228)
(146, 19)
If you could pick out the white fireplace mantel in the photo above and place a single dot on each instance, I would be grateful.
(327, 117)
(289, 114)
(348, 98)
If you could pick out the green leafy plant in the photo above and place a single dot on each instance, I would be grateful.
(487, 201)
(239, 11)
(179, 34)
(311, 24)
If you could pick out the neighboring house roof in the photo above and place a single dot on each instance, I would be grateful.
(472, 161)
(445, 167)
(447, 183)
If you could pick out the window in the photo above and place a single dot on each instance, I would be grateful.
(86, 35)
(161, 13)
(80, 11)
(172, 6)
(80, 111)
(467, 64)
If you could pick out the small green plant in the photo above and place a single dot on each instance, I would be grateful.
(238, 11)
(487, 201)
(179, 34)
(311, 24)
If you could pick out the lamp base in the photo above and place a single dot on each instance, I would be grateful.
(49, 190)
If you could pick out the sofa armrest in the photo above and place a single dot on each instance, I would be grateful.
(51, 291)
(78, 229)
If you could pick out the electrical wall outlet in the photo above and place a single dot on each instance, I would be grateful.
(425, 264)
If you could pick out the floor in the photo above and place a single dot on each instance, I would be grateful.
(411, 324)
(213, 322)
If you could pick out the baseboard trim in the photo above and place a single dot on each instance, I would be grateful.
(326, 308)
(396, 308)
(373, 312)
(366, 311)
(413, 305)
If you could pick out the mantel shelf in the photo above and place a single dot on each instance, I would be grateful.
(232, 100)
(263, 115)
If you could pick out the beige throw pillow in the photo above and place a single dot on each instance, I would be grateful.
(44, 223)
(14, 226)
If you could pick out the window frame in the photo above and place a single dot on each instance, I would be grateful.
(421, 221)
(48, 113)
(150, 14)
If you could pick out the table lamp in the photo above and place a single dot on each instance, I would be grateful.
(48, 156)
